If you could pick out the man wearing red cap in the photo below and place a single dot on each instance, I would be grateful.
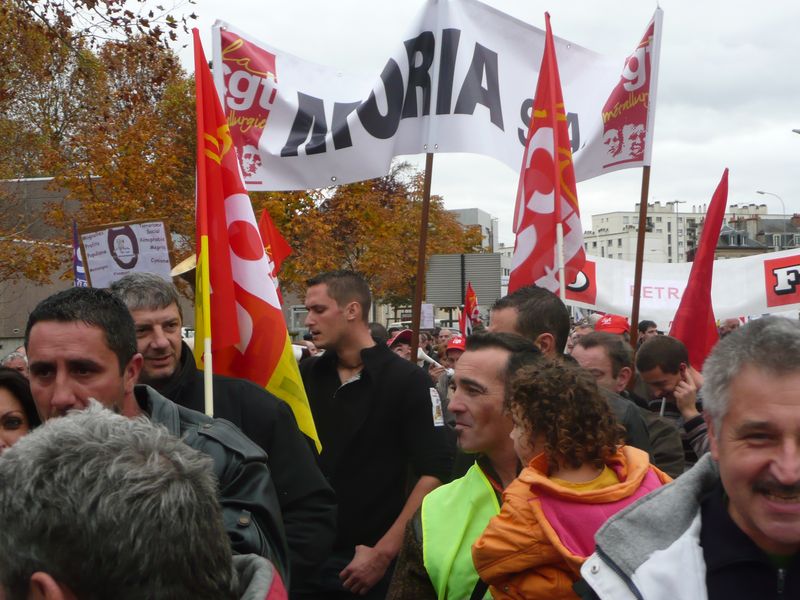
(616, 324)
(400, 344)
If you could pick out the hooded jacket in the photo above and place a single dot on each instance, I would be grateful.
(535, 547)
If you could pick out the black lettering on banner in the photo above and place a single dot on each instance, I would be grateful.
(786, 280)
(310, 118)
(525, 111)
(472, 90)
(418, 75)
(341, 131)
(574, 131)
(447, 68)
(384, 126)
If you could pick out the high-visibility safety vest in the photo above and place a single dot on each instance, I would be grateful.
(453, 518)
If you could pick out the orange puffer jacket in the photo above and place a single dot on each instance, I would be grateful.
(535, 547)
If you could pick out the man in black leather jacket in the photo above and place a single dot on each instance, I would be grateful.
(82, 344)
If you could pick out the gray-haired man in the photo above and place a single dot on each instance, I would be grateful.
(729, 527)
(94, 505)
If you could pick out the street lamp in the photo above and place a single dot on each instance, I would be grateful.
(783, 206)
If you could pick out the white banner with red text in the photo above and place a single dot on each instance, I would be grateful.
(742, 287)
(461, 80)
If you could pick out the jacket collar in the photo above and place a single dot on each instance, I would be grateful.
(375, 359)
(161, 410)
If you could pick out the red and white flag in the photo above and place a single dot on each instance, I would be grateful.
(546, 194)
(238, 316)
(470, 315)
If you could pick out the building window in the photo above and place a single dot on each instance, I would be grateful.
(602, 252)
(659, 231)
(619, 242)
(669, 225)
(594, 244)
(609, 242)
(776, 240)
(626, 220)
(658, 219)
(669, 239)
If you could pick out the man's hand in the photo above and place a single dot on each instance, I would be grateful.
(686, 396)
(365, 570)
(435, 373)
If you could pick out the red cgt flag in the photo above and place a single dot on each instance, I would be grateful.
(470, 315)
(546, 194)
(694, 323)
(236, 304)
(276, 247)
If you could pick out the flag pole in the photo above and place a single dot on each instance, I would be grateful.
(562, 284)
(637, 274)
(423, 240)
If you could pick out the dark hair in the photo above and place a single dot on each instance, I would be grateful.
(561, 404)
(16, 384)
(538, 311)
(645, 325)
(344, 287)
(505, 341)
(619, 351)
(664, 352)
(378, 332)
(94, 307)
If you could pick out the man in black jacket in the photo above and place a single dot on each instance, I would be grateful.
(307, 501)
(81, 345)
(379, 421)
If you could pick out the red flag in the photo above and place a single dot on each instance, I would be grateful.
(470, 315)
(275, 245)
(546, 194)
(694, 323)
(248, 334)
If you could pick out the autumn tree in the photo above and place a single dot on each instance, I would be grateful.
(112, 123)
(370, 226)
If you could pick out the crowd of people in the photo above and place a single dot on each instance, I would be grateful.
(534, 458)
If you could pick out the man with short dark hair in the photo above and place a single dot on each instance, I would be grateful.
(541, 317)
(647, 330)
(308, 504)
(97, 505)
(81, 344)
(378, 419)
(436, 560)
(663, 363)
(729, 528)
(610, 359)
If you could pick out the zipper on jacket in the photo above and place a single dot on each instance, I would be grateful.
(781, 582)
(613, 566)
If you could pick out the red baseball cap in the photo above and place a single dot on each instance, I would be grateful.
(613, 324)
(401, 336)
(457, 343)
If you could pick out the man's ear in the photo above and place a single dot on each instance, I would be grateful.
(43, 587)
(546, 342)
(352, 311)
(624, 376)
(712, 437)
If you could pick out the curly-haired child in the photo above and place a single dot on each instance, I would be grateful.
(578, 475)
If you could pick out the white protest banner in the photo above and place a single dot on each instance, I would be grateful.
(742, 287)
(113, 250)
(462, 80)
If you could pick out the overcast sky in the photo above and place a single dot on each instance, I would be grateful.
(728, 91)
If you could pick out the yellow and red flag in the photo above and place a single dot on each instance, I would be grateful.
(470, 315)
(546, 194)
(238, 316)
